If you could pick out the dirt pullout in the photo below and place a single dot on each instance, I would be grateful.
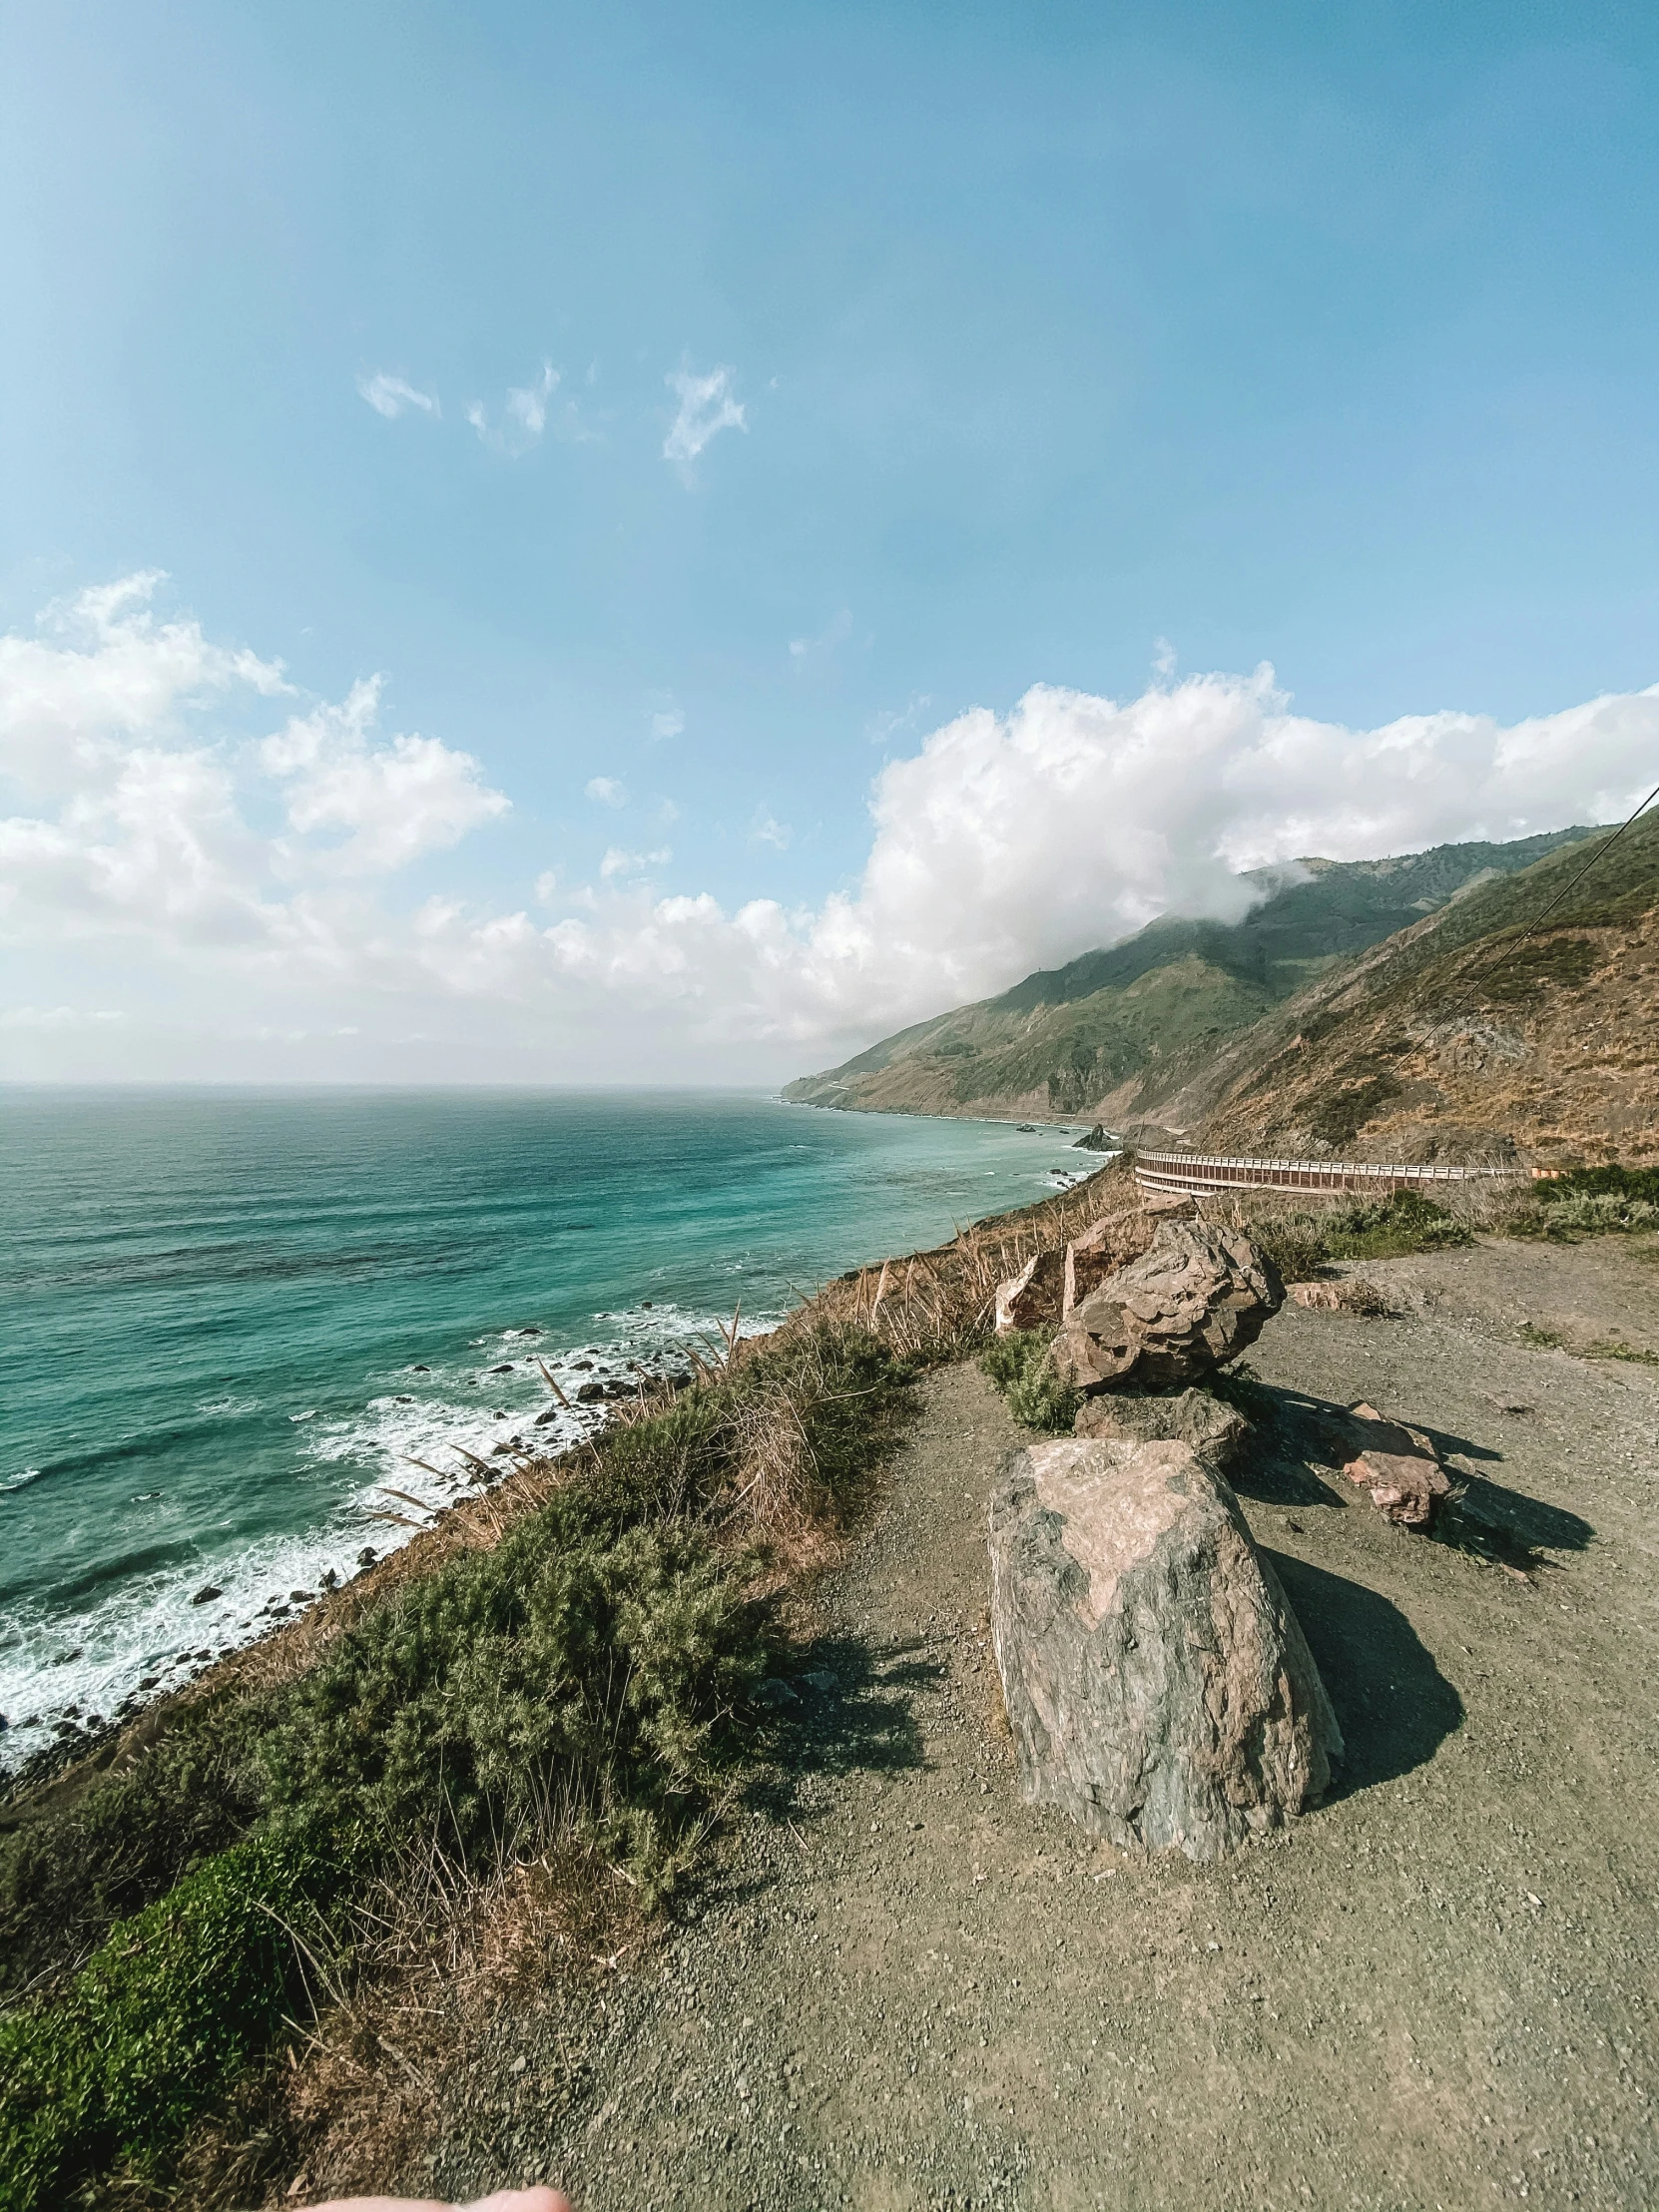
(1437, 1990)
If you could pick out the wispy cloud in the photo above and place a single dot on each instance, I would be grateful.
(617, 862)
(393, 395)
(605, 789)
(528, 414)
(883, 726)
(835, 632)
(707, 406)
(668, 724)
(766, 830)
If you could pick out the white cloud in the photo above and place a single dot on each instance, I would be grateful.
(605, 789)
(1005, 843)
(765, 830)
(395, 801)
(707, 406)
(617, 862)
(140, 808)
(393, 395)
(527, 415)
(669, 724)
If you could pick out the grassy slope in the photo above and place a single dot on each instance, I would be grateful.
(1117, 1031)
(1454, 1038)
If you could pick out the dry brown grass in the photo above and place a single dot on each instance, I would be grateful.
(451, 1971)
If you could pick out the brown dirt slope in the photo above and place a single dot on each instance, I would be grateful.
(912, 1989)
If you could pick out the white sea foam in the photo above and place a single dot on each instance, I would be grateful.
(151, 1632)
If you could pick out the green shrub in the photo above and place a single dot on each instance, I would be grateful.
(1019, 1366)
(594, 1668)
(160, 2019)
(66, 1876)
(1589, 1201)
(1295, 1243)
(1388, 1228)
(558, 1673)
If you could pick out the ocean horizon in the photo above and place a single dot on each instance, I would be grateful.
(252, 1331)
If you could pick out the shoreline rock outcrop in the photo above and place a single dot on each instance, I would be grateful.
(1158, 1686)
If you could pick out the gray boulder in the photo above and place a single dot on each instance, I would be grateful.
(1193, 1300)
(1211, 1430)
(1158, 1686)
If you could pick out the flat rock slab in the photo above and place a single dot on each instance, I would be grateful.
(1158, 1687)
(1214, 1432)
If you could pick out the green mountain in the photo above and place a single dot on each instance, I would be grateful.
(1116, 1034)
(1522, 1018)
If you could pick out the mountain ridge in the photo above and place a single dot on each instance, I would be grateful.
(1118, 1033)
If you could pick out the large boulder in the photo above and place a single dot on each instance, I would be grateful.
(1210, 1429)
(1193, 1300)
(1157, 1684)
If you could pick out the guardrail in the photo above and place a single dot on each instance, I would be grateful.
(1202, 1171)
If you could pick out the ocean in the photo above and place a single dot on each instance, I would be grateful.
(246, 1334)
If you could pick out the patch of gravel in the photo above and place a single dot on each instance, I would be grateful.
(906, 1987)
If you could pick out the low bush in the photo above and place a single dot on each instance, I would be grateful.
(64, 1878)
(162, 2017)
(1020, 1365)
(1589, 1201)
(588, 1674)
(1298, 1245)
(559, 1678)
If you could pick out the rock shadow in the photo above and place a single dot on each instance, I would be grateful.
(855, 1712)
(1395, 1706)
(1293, 1435)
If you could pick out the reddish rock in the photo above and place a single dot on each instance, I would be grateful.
(1405, 1487)
(1103, 1248)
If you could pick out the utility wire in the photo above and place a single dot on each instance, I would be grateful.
(1601, 849)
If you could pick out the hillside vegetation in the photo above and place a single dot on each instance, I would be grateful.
(1115, 1034)
(1464, 1037)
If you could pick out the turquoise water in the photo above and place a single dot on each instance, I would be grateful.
(232, 1320)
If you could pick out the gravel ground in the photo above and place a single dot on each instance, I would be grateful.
(905, 1988)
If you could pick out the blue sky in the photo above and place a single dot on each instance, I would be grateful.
(1075, 346)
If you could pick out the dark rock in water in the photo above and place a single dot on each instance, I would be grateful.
(300, 1597)
(404, 1399)
(421, 1369)
(583, 1365)
(1212, 1431)
(682, 1380)
(327, 1579)
(546, 1420)
(205, 1596)
(1191, 1302)
(532, 1329)
(645, 1306)
(500, 1451)
(1027, 1128)
(368, 1556)
(1158, 1685)
(498, 1412)
(506, 1367)
(1096, 1141)
(587, 1392)
(149, 1683)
